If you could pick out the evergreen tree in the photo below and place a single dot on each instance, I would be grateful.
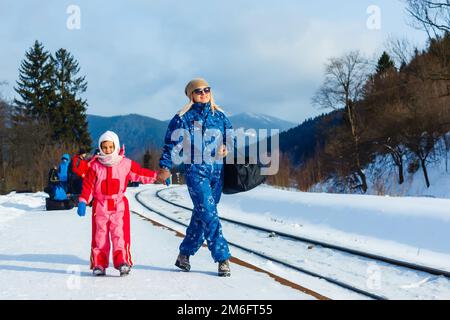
(35, 86)
(384, 63)
(5, 109)
(69, 112)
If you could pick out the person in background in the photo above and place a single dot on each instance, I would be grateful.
(80, 165)
(80, 162)
(61, 188)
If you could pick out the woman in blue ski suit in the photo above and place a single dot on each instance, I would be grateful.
(204, 175)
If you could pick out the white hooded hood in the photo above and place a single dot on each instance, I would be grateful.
(113, 158)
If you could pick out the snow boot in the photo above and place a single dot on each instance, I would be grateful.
(98, 271)
(183, 262)
(124, 269)
(224, 269)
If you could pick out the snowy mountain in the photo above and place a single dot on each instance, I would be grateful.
(257, 121)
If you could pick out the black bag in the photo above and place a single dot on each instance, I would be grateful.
(51, 204)
(53, 176)
(241, 177)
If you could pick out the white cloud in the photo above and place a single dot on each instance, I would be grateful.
(261, 56)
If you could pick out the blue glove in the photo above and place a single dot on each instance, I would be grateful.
(169, 181)
(81, 209)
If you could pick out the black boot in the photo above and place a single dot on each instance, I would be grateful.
(183, 262)
(224, 269)
(124, 269)
(98, 271)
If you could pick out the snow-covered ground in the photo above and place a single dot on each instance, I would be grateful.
(46, 254)
(408, 229)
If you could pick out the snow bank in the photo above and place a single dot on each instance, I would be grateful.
(15, 204)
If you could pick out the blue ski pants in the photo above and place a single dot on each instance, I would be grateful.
(205, 188)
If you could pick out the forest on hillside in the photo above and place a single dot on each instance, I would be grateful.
(398, 106)
(44, 121)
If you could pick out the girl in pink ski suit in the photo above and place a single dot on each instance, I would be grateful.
(105, 183)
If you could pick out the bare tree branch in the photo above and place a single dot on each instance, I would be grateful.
(343, 87)
(430, 16)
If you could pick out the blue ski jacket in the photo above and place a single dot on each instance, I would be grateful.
(196, 123)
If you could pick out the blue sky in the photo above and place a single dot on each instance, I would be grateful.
(259, 56)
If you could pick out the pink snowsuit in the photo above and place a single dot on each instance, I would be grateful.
(110, 212)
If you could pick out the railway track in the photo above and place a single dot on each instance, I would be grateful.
(274, 259)
(395, 262)
(371, 295)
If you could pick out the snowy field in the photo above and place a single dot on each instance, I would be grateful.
(45, 255)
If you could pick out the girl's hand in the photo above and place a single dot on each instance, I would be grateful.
(81, 209)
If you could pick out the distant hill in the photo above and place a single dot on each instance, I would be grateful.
(139, 132)
(135, 131)
(300, 142)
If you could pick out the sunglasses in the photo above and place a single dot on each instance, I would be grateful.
(204, 90)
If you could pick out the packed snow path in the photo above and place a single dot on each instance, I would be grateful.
(45, 255)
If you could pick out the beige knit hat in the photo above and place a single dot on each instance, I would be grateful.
(194, 84)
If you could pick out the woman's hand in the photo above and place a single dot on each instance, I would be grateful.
(163, 175)
(222, 151)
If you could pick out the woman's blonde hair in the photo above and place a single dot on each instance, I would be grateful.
(188, 106)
